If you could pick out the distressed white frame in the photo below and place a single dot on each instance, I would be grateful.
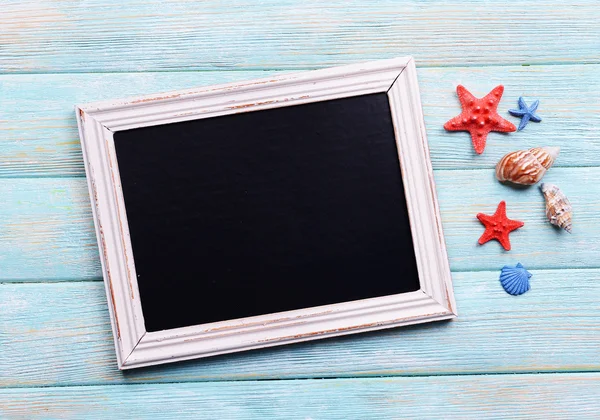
(134, 346)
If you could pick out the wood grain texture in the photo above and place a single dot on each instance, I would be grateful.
(46, 227)
(39, 132)
(455, 397)
(47, 230)
(59, 334)
(110, 36)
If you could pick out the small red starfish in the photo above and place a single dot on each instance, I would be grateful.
(479, 116)
(498, 226)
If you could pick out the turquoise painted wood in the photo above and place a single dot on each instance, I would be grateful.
(43, 140)
(47, 230)
(460, 397)
(108, 36)
(59, 334)
(543, 348)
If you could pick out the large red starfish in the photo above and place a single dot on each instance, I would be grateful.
(498, 226)
(479, 116)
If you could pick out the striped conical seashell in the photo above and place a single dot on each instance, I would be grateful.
(558, 208)
(526, 167)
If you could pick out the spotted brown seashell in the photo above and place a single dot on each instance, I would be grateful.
(526, 167)
(558, 208)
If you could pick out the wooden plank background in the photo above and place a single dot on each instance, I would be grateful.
(543, 348)
(464, 397)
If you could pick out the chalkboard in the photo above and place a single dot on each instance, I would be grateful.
(266, 211)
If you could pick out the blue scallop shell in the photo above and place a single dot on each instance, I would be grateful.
(515, 280)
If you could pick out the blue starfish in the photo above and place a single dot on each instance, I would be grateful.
(526, 113)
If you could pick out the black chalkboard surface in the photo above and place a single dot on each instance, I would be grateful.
(266, 211)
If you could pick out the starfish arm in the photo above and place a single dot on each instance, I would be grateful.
(456, 124)
(478, 141)
(504, 241)
(485, 219)
(501, 210)
(504, 126)
(534, 106)
(524, 121)
(464, 96)
(522, 103)
(493, 98)
(487, 236)
(517, 112)
(535, 118)
(513, 224)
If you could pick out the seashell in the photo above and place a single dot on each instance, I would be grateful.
(558, 208)
(526, 167)
(515, 280)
